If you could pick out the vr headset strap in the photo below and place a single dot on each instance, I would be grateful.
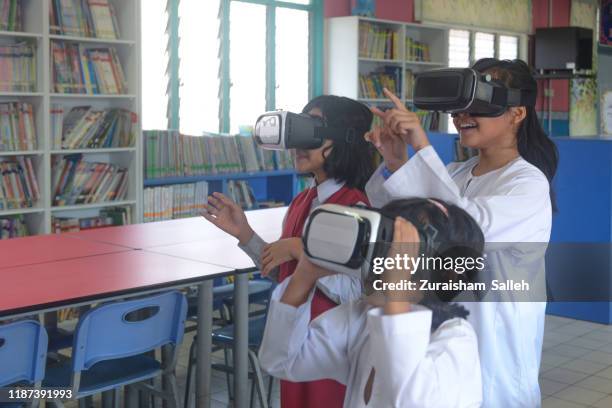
(337, 134)
(502, 96)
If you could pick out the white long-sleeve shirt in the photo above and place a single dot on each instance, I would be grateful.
(513, 208)
(339, 288)
(413, 367)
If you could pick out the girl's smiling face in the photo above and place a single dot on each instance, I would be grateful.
(312, 160)
(485, 132)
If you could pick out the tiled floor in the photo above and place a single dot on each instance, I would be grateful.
(576, 368)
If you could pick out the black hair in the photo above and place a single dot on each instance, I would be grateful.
(533, 143)
(351, 162)
(458, 236)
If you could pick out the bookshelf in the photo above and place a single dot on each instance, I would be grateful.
(356, 49)
(38, 30)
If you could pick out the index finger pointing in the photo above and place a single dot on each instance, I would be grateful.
(377, 112)
(393, 98)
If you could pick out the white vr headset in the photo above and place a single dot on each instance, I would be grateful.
(346, 239)
(281, 130)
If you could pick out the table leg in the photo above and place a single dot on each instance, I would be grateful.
(204, 344)
(241, 340)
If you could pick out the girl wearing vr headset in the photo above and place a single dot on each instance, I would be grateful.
(340, 171)
(507, 190)
(397, 348)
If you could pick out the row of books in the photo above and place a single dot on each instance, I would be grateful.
(18, 185)
(372, 84)
(76, 181)
(17, 130)
(175, 201)
(81, 70)
(171, 154)
(18, 67)
(83, 18)
(378, 42)
(108, 217)
(13, 227)
(11, 15)
(417, 50)
(86, 127)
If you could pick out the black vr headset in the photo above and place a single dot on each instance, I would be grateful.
(346, 239)
(280, 130)
(457, 90)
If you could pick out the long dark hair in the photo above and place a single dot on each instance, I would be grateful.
(533, 143)
(351, 162)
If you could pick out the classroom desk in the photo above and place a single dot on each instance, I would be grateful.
(51, 272)
(163, 233)
(49, 248)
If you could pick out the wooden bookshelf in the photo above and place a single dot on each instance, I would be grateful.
(345, 64)
(36, 29)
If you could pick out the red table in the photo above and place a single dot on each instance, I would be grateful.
(42, 287)
(46, 273)
(48, 248)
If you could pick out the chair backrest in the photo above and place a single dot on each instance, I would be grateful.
(23, 352)
(128, 328)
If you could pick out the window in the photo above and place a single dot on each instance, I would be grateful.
(198, 66)
(247, 63)
(227, 61)
(508, 47)
(154, 65)
(459, 48)
(465, 47)
(292, 59)
(484, 46)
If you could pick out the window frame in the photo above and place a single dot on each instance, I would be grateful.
(315, 86)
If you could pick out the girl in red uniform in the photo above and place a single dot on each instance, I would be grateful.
(340, 171)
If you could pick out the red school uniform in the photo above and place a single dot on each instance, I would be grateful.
(321, 393)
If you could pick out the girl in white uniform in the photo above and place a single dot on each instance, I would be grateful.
(388, 350)
(507, 191)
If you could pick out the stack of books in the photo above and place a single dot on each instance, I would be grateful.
(86, 127)
(378, 42)
(175, 201)
(76, 181)
(372, 84)
(81, 70)
(18, 67)
(18, 185)
(83, 18)
(13, 227)
(416, 50)
(171, 154)
(108, 217)
(17, 130)
(11, 15)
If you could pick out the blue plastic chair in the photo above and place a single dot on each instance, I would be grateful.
(23, 353)
(112, 344)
